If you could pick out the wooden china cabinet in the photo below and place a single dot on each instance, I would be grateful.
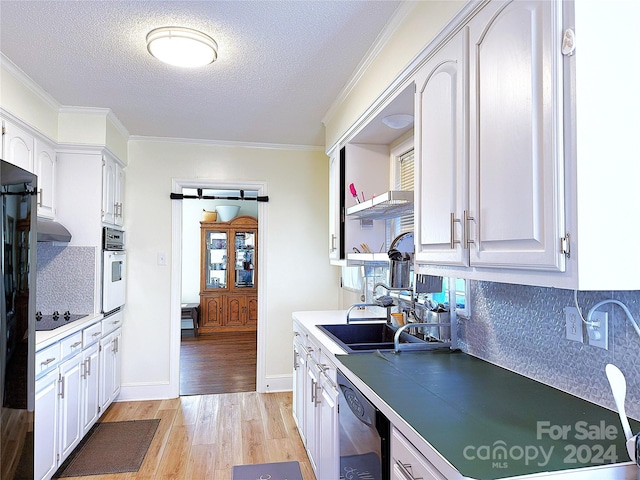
(228, 275)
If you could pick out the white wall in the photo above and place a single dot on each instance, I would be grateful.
(191, 218)
(298, 276)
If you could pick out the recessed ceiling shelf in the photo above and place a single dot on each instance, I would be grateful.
(391, 204)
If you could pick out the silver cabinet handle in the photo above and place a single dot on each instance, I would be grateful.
(77, 344)
(39, 197)
(452, 233)
(405, 469)
(97, 334)
(61, 383)
(47, 361)
(313, 391)
(83, 369)
(467, 219)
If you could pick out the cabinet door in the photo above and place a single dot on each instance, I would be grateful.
(236, 308)
(252, 311)
(299, 375)
(211, 311)
(90, 387)
(117, 363)
(18, 146)
(516, 181)
(70, 406)
(46, 426)
(107, 371)
(45, 168)
(441, 166)
(328, 462)
(215, 258)
(108, 190)
(118, 195)
(244, 259)
(311, 415)
(336, 205)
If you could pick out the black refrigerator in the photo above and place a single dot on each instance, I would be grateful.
(17, 330)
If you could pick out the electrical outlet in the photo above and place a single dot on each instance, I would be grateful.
(599, 336)
(573, 324)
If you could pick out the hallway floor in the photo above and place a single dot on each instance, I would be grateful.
(219, 363)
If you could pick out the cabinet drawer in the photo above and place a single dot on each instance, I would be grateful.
(91, 334)
(110, 323)
(47, 359)
(71, 345)
(408, 463)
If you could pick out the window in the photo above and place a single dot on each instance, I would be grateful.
(461, 286)
(403, 174)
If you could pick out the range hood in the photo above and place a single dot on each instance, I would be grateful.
(50, 231)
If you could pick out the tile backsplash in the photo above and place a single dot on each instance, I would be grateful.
(65, 279)
(522, 328)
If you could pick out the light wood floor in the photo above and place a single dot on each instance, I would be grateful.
(204, 436)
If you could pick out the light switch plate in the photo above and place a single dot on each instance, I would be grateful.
(573, 324)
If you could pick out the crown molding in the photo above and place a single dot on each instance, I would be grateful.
(225, 143)
(27, 81)
(392, 26)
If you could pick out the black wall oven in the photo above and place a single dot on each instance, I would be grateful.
(364, 435)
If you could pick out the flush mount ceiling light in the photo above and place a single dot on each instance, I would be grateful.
(398, 120)
(182, 47)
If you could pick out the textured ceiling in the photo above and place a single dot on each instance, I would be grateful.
(280, 64)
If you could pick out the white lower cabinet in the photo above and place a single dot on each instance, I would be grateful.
(46, 426)
(407, 463)
(109, 368)
(327, 447)
(90, 374)
(70, 405)
(315, 406)
(72, 375)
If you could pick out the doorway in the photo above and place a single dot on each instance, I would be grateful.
(223, 362)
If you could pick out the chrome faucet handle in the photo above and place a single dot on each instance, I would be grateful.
(396, 337)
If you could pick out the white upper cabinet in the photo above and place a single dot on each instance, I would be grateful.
(526, 151)
(489, 123)
(516, 210)
(45, 169)
(17, 146)
(441, 169)
(335, 209)
(112, 191)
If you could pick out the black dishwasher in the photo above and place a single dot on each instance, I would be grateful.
(364, 435)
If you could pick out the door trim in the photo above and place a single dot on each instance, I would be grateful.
(176, 275)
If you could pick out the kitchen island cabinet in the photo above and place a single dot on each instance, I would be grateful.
(228, 275)
(446, 407)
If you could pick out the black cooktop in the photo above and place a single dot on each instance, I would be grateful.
(51, 322)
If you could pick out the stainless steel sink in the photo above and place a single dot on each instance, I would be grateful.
(368, 337)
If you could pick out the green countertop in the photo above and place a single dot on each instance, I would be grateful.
(489, 422)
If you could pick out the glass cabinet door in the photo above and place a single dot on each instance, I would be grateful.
(245, 259)
(216, 267)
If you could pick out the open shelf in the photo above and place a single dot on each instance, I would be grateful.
(391, 204)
